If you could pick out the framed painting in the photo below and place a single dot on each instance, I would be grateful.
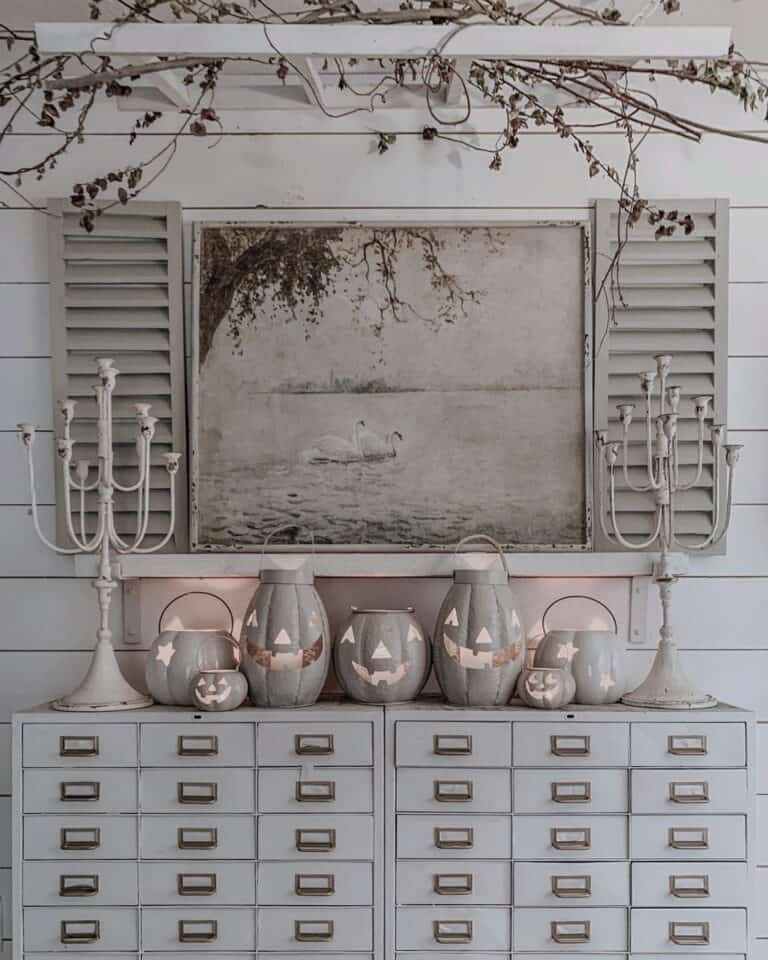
(391, 385)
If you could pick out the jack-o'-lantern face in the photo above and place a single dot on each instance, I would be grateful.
(210, 689)
(484, 653)
(540, 685)
(284, 654)
(382, 668)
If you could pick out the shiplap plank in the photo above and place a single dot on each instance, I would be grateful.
(14, 479)
(748, 319)
(748, 393)
(761, 851)
(747, 546)
(5, 758)
(25, 393)
(24, 244)
(751, 482)
(5, 895)
(5, 832)
(762, 759)
(749, 253)
(24, 330)
(22, 554)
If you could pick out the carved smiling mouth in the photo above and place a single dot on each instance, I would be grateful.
(285, 661)
(483, 659)
(387, 677)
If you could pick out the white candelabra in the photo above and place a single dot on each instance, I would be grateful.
(666, 685)
(103, 687)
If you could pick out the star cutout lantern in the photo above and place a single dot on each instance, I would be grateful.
(567, 651)
(165, 652)
(607, 681)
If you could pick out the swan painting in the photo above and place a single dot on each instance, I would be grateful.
(375, 447)
(332, 449)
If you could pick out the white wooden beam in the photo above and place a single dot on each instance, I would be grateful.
(170, 84)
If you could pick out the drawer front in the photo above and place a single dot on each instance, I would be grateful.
(197, 745)
(198, 928)
(198, 838)
(442, 789)
(689, 884)
(689, 931)
(571, 929)
(80, 791)
(688, 838)
(315, 929)
(87, 929)
(708, 791)
(453, 929)
(569, 838)
(345, 744)
(79, 745)
(689, 744)
(315, 883)
(476, 882)
(179, 883)
(487, 744)
(571, 744)
(545, 791)
(80, 838)
(334, 789)
(80, 884)
(421, 837)
(196, 789)
(302, 837)
(571, 884)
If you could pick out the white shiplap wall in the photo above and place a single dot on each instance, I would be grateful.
(48, 614)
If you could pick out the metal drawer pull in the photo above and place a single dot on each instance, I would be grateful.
(452, 884)
(569, 746)
(197, 792)
(78, 885)
(572, 887)
(79, 791)
(197, 746)
(452, 791)
(79, 838)
(571, 931)
(197, 838)
(690, 791)
(688, 838)
(687, 886)
(196, 884)
(198, 931)
(694, 745)
(313, 931)
(452, 745)
(314, 884)
(689, 932)
(454, 838)
(313, 744)
(563, 838)
(579, 791)
(315, 841)
(78, 746)
(452, 931)
(315, 791)
(80, 931)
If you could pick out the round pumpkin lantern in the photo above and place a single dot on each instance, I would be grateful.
(478, 645)
(216, 690)
(382, 656)
(285, 640)
(545, 688)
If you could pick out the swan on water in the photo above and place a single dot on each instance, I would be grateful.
(332, 449)
(375, 447)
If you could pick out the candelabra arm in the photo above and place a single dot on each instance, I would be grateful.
(86, 546)
(66, 551)
(171, 524)
(718, 531)
(641, 488)
(628, 544)
(699, 463)
(144, 469)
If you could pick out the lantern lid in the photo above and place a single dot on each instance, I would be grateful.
(493, 576)
(275, 575)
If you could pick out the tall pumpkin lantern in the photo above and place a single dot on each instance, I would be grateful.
(479, 642)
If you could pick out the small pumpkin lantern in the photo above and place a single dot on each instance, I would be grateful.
(545, 688)
(478, 644)
(382, 656)
(216, 690)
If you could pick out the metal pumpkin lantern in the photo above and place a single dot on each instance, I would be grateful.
(177, 656)
(216, 690)
(382, 656)
(546, 688)
(478, 645)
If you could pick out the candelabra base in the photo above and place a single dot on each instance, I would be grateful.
(103, 688)
(667, 687)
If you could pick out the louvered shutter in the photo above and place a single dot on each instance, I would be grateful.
(117, 292)
(673, 299)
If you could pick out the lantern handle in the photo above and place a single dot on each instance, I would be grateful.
(580, 596)
(198, 593)
(285, 526)
(486, 539)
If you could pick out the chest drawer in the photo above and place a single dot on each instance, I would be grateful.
(198, 928)
(453, 929)
(486, 744)
(691, 884)
(544, 791)
(79, 790)
(689, 744)
(201, 837)
(80, 883)
(443, 789)
(688, 838)
(421, 837)
(571, 929)
(315, 883)
(333, 789)
(88, 928)
(328, 837)
(228, 790)
(197, 744)
(665, 791)
(569, 838)
(471, 882)
(217, 882)
(315, 929)
(79, 745)
(571, 744)
(80, 837)
(578, 884)
(345, 744)
(689, 931)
